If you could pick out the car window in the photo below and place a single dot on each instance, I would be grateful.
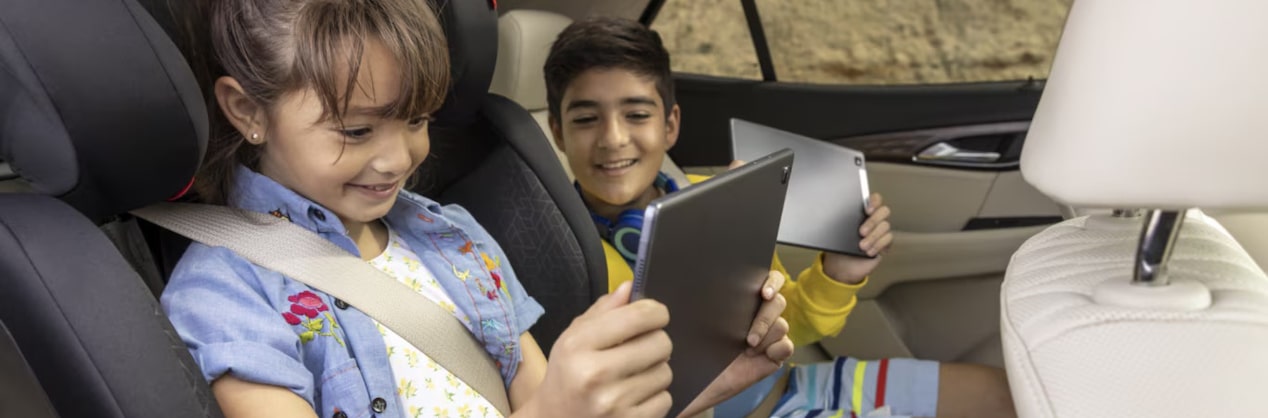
(707, 37)
(868, 42)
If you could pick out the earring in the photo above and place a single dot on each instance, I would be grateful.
(255, 136)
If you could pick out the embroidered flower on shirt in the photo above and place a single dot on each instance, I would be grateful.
(466, 248)
(423, 217)
(490, 325)
(493, 263)
(308, 304)
(278, 213)
(463, 275)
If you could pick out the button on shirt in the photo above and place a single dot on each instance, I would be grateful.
(262, 327)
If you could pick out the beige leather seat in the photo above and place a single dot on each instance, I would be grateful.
(524, 39)
(1153, 104)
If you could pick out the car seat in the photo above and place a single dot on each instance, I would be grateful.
(100, 115)
(1155, 313)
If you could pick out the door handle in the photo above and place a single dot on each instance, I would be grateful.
(944, 152)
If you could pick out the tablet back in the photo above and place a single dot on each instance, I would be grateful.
(827, 197)
(705, 252)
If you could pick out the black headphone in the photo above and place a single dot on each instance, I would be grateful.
(627, 231)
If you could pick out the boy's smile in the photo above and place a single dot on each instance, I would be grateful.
(615, 132)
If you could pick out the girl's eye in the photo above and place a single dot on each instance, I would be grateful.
(356, 133)
(420, 121)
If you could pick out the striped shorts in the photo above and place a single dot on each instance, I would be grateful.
(848, 388)
(854, 388)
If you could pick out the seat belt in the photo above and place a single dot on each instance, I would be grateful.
(302, 255)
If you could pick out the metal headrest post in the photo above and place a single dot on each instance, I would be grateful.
(1156, 240)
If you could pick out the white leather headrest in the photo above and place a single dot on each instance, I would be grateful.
(524, 39)
(1155, 104)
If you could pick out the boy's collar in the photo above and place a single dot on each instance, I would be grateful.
(663, 183)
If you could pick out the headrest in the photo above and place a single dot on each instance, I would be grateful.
(471, 28)
(97, 106)
(1155, 104)
(524, 39)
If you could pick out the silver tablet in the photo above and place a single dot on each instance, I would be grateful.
(705, 252)
(827, 197)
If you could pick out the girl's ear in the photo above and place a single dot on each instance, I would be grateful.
(245, 114)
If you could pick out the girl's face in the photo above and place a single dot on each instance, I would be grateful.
(355, 170)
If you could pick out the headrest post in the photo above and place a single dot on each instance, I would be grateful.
(1156, 240)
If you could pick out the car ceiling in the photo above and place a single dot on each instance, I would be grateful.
(579, 9)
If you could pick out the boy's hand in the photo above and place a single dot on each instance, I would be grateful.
(768, 344)
(876, 240)
(612, 361)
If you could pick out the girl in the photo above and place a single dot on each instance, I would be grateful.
(321, 115)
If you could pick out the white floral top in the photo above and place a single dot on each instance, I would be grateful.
(425, 388)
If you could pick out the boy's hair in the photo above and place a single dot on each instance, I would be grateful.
(274, 47)
(606, 43)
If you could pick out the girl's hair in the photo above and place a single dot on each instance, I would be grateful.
(274, 47)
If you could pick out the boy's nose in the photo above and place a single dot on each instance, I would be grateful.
(614, 135)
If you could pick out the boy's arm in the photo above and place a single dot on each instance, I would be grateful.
(817, 304)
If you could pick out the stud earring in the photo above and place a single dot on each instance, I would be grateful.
(255, 136)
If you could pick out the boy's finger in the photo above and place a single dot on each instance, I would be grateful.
(881, 246)
(780, 351)
(875, 235)
(735, 164)
(874, 201)
(767, 315)
(881, 215)
(774, 282)
(777, 332)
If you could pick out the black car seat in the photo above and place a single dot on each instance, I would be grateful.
(20, 392)
(100, 115)
(489, 156)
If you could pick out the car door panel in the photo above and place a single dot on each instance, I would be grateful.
(959, 211)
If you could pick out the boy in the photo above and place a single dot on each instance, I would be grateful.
(612, 113)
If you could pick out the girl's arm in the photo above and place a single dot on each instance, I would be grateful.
(531, 372)
(242, 399)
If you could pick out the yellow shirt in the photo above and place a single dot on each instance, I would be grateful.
(817, 304)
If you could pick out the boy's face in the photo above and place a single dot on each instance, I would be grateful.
(613, 128)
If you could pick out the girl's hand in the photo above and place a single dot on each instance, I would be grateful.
(611, 362)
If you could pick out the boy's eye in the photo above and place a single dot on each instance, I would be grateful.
(639, 115)
(356, 133)
(584, 119)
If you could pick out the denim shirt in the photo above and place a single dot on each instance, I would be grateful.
(239, 318)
